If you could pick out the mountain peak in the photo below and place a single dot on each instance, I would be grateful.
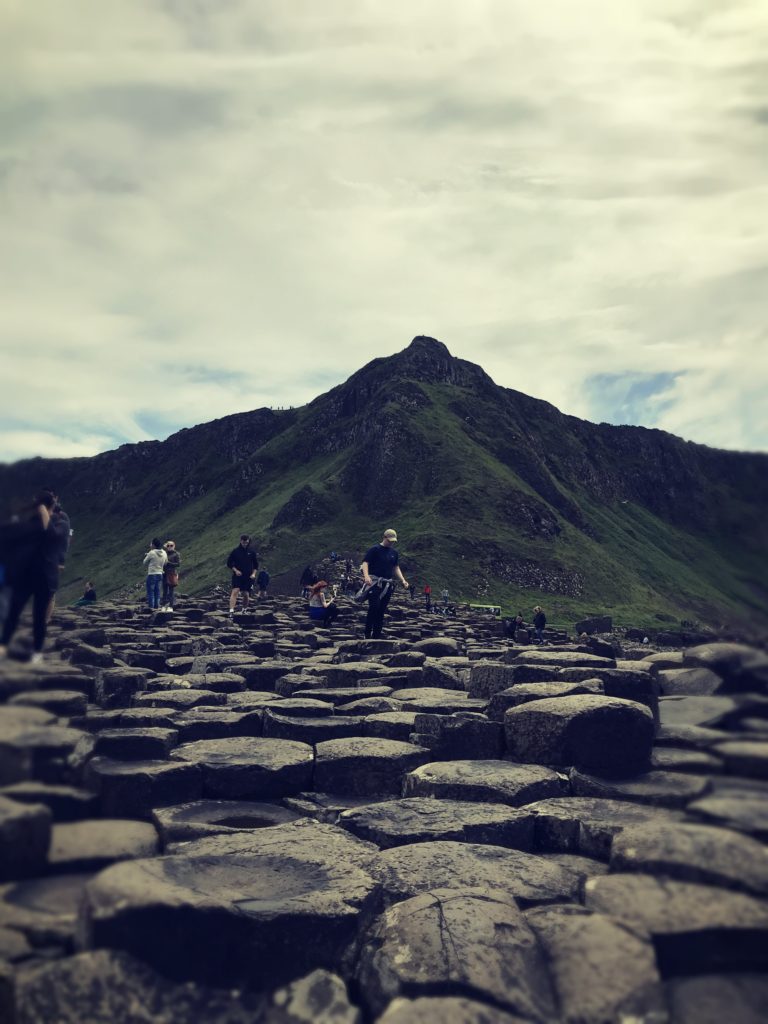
(424, 345)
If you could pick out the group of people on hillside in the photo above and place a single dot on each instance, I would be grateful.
(512, 626)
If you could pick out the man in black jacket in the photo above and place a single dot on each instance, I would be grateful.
(243, 563)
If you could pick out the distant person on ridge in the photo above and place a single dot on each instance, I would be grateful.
(262, 582)
(539, 622)
(427, 597)
(378, 567)
(170, 575)
(243, 563)
(155, 560)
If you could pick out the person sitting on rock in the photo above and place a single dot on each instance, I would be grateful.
(539, 622)
(89, 596)
(320, 608)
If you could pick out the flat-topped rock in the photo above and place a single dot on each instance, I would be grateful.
(367, 766)
(301, 887)
(607, 734)
(138, 744)
(448, 1010)
(748, 814)
(394, 725)
(663, 789)
(93, 845)
(243, 768)
(25, 835)
(744, 757)
(200, 818)
(486, 781)
(472, 943)
(600, 969)
(522, 693)
(66, 803)
(312, 730)
(422, 819)
(43, 910)
(40, 752)
(693, 853)
(63, 703)
(180, 700)
(695, 928)
(564, 659)
(405, 871)
(131, 789)
(587, 825)
(217, 723)
(341, 694)
(712, 999)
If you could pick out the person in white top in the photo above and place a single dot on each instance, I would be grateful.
(155, 560)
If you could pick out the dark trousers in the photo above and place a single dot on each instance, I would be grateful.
(168, 594)
(36, 587)
(378, 599)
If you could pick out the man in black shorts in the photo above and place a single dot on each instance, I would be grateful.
(379, 566)
(243, 563)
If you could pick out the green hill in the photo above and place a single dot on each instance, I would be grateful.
(494, 494)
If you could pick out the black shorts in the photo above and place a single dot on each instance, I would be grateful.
(244, 583)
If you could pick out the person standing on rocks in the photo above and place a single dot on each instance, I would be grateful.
(427, 597)
(262, 582)
(32, 570)
(155, 560)
(170, 575)
(378, 567)
(244, 564)
(539, 622)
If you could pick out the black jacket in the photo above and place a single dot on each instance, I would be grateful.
(243, 559)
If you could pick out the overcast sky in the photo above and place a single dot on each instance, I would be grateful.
(207, 206)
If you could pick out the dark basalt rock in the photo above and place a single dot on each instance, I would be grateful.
(365, 766)
(184, 822)
(474, 943)
(246, 768)
(486, 781)
(25, 835)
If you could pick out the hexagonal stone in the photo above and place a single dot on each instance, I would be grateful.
(38, 753)
(104, 986)
(44, 910)
(394, 725)
(25, 834)
(243, 768)
(487, 781)
(582, 824)
(562, 659)
(93, 845)
(216, 682)
(365, 766)
(693, 853)
(59, 702)
(681, 759)
(459, 736)
(66, 803)
(302, 707)
(217, 723)
(342, 694)
(311, 730)
(744, 757)
(436, 700)
(301, 887)
(474, 943)
(522, 693)
(601, 970)
(130, 789)
(180, 700)
(136, 744)
(201, 818)
(695, 928)
(448, 1010)
(745, 814)
(421, 819)
(405, 871)
(368, 706)
(662, 789)
(603, 733)
(713, 999)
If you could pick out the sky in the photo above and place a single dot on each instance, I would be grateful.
(210, 206)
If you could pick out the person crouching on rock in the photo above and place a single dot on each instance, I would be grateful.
(539, 622)
(243, 563)
(320, 608)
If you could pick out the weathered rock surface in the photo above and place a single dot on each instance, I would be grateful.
(365, 766)
(602, 733)
(485, 781)
(244, 768)
(474, 943)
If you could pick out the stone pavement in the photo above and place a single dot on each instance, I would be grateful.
(259, 820)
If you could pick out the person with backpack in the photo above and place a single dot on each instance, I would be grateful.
(243, 563)
(30, 557)
(170, 576)
(155, 560)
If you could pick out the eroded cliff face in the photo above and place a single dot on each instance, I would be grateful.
(519, 494)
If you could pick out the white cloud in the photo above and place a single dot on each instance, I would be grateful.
(207, 207)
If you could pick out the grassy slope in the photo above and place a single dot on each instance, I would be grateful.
(640, 567)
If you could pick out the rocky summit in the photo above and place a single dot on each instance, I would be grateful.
(261, 820)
